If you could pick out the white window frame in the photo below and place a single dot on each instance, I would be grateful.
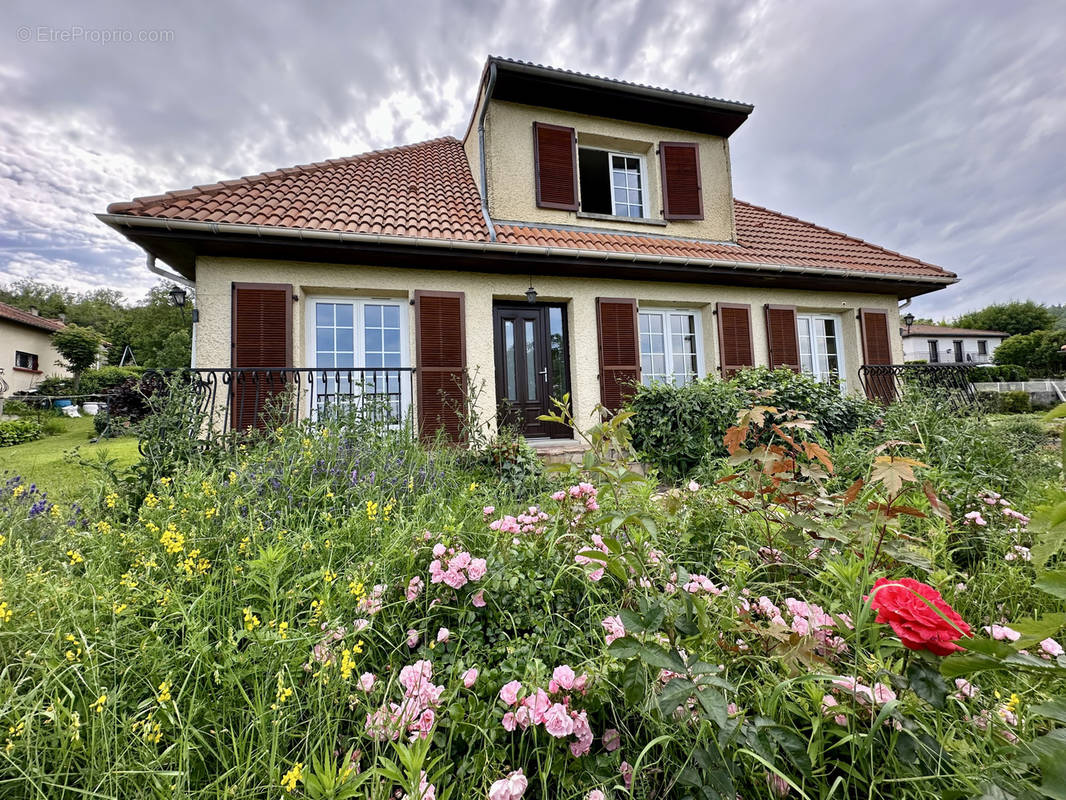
(359, 305)
(838, 335)
(665, 313)
(644, 202)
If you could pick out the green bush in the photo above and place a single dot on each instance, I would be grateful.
(1005, 373)
(99, 381)
(16, 407)
(17, 431)
(55, 386)
(1040, 352)
(675, 428)
(1015, 403)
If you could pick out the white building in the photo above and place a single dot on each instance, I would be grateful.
(939, 344)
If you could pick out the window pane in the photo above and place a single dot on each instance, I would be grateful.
(324, 340)
(344, 339)
(531, 361)
(391, 316)
(373, 340)
(392, 340)
(509, 367)
(344, 315)
(373, 315)
(324, 313)
(558, 354)
(345, 360)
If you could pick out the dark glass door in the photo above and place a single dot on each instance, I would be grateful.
(531, 366)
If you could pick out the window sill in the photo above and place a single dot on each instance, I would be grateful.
(660, 223)
(27, 369)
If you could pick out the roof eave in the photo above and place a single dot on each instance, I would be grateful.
(164, 239)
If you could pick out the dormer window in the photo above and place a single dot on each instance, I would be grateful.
(612, 183)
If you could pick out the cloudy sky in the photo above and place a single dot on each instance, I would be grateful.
(937, 129)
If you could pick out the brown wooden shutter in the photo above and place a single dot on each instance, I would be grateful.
(440, 346)
(261, 345)
(682, 190)
(782, 337)
(734, 338)
(877, 349)
(555, 164)
(616, 321)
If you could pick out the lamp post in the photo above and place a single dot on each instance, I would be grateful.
(908, 320)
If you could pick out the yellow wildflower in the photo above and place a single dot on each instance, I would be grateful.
(283, 630)
(356, 588)
(210, 512)
(330, 576)
(4, 538)
(283, 694)
(388, 509)
(98, 706)
(164, 693)
(164, 481)
(151, 500)
(292, 777)
(371, 509)
(251, 621)
(317, 608)
(75, 557)
(103, 526)
(347, 664)
(243, 546)
(111, 499)
(5, 612)
(473, 488)
(128, 581)
(54, 512)
(173, 541)
(17, 491)
(118, 608)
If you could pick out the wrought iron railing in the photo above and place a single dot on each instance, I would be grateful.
(890, 382)
(239, 398)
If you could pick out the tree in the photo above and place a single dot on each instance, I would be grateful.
(1016, 317)
(1060, 314)
(79, 348)
(159, 334)
(1039, 352)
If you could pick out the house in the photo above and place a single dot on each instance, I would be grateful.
(26, 348)
(582, 236)
(940, 344)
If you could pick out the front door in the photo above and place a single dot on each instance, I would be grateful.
(531, 365)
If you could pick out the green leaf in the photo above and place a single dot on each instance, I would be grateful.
(634, 682)
(632, 621)
(655, 656)
(624, 648)
(1053, 583)
(676, 692)
(926, 682)
(793, 745)
(714, 705)
(1049, 529)
(958, 664)
(654, 618)
(1055, 709)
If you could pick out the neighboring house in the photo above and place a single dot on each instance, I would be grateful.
(26, 348)
(582, 236)
(940, 344)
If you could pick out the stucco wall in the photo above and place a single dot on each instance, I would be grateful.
(27, 340)
(916, 348)
(512, 180)
(215, 275)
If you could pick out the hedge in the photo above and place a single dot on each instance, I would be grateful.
(17, 431)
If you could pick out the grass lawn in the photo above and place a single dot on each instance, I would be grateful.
(45, 462)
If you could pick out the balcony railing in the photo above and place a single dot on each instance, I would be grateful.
(239, 398)
(889, 382)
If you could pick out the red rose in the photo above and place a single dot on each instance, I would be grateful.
(898, 603)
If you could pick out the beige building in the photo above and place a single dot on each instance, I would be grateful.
(582, 237)
(26, 352)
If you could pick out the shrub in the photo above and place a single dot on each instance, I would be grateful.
(676, 427)
(1005, 373)
(1039, 352)
(1015, 403)
(55, 386)
(79, 348)
(509, 459)
(99, 381)
(17, 431)
(16, 407)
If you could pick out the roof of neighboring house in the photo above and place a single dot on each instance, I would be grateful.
(944, 330)
(12, 314)
(427, 191)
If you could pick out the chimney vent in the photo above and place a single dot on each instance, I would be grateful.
(34, 311)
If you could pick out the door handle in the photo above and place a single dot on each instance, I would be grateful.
(544, 373)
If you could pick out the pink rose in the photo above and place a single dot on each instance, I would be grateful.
(469, 677)
(510, 788)
(693, 486)
(557, 721)
(1051, 647)
(414, 588)
(509, 721)
(476, 569)
(412, 638)
(538, 705)
(443, 635)
(479, 599)
(509, 693)
(596, 794)
(454, 577)
(564, 676)
(366, 682)
(424, 727)
(614, 627)
(488, 510)
(438, 550)
(611, 740)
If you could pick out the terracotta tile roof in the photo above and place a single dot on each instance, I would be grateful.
(423, 190)
(944, 330)
(426, 190)
(763, 237)
(26, 318)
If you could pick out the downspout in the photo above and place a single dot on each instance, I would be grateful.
(170, 276)
(900, 308)
(481, 152)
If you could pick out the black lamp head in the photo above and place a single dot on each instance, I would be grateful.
(177, 296)
(531, 294)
